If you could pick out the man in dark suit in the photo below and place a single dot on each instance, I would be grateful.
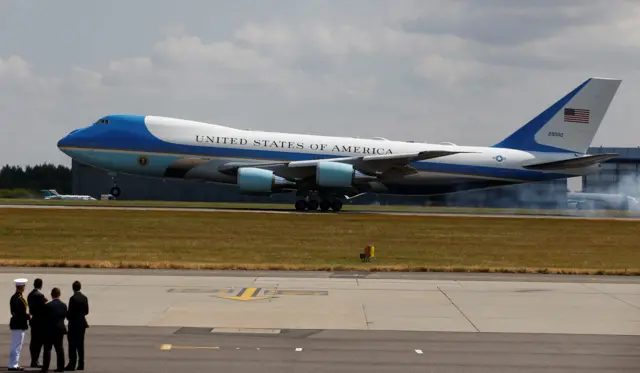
(36, 301)
(78, 310)
(55, 313)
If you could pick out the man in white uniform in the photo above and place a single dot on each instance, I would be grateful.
(18, 324)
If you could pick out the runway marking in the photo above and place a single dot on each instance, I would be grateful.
(298, 349)
(246, 294)
(419, 352)
(168, 347)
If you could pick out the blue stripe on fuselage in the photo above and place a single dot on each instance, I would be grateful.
(129, 133)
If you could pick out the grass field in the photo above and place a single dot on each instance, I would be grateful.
(347, 207)
(175, 239)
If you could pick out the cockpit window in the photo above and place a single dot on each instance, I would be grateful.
(102, 121)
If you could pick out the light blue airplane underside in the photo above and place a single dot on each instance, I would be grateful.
(322, 170)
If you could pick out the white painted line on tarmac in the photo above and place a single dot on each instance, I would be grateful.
(419, 352)
(298, 349)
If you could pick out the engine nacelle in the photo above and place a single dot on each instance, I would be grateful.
(258, 180)
(338, 175)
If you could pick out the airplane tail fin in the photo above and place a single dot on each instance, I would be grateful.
(569, 125)
(49, 192)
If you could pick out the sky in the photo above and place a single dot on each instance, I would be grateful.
(468, 72)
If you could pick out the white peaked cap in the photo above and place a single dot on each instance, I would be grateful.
(20, 281)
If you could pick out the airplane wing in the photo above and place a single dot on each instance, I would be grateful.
(371, 164)
(586, 161)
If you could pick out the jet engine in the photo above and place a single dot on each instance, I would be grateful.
(257, 180)
(338, 175)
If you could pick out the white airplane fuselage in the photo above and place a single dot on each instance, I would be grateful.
(270, 162)
(70, 198)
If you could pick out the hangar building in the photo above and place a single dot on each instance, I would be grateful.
(618, 175)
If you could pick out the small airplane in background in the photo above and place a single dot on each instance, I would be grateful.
(322, 170)
(52, 194)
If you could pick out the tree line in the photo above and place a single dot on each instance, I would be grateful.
(20, 182)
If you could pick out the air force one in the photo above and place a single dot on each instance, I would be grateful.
(325, 170)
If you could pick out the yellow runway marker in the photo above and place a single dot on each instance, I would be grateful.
(165, 347)
(245, 294)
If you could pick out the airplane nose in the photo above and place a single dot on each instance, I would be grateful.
(63, 141)
(67, 140)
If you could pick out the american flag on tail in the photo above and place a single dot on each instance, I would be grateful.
(576, 115)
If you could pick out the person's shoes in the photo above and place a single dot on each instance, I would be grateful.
(59, 370)
(36, 365)
(69, 368)
(18, 369)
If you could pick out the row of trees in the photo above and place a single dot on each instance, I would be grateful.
(16, 181)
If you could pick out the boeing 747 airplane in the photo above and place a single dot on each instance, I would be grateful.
(324, 170)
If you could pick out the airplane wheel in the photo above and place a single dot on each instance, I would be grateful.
(336, 205)
(325, 205)
(115, 191)
(301, 205)
(312, 205)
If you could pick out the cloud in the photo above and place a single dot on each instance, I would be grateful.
(14, 68)
(500, 22)
(435, 71)
(270, 35)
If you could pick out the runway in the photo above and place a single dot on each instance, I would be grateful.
(158, 350)
(197, 321)
(432, 276)
(592, 215)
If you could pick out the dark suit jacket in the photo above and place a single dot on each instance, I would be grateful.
(36, 302)
(55, 313)
(78, 310)
(19, 315)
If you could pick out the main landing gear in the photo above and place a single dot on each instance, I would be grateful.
(324, 205)
(115, 190)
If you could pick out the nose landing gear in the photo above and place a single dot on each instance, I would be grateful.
(115, 190)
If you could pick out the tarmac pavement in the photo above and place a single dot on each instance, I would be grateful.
(125, 298)
(164, 321)
(158, 350)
